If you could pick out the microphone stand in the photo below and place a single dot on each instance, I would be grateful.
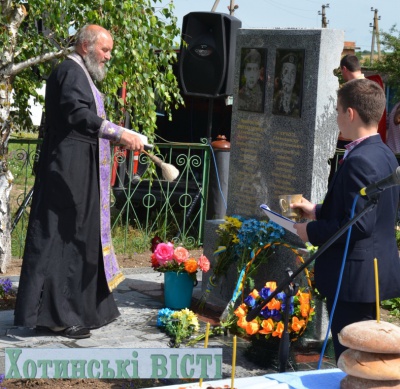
(287, 285)
(284, 344)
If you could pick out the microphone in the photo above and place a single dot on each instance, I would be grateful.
(392, 180)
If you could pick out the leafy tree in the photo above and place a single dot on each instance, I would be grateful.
(34, 35)
(389, 63)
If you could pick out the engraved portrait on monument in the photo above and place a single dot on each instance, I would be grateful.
(252, 79)
(288, 82)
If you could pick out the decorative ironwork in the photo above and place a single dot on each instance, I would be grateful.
(174, 211)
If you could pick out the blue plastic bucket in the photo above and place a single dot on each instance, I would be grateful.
(178, 289)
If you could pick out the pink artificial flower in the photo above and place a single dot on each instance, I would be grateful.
(181, 254)
(164, 252)
(204, 263)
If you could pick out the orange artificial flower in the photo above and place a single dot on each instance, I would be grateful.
(254, 294)
(304, 298)
(278, 330)
(191, 265)
(297, 324)
(305, 310)
(242, 322)
(274, 304)
(268, 326)
(252, 327)
(241, 310)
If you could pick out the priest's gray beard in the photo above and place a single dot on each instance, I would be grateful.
(93, 67)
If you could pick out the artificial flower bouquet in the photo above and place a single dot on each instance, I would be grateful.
(270, 321)
(179, 325)
(166, 257)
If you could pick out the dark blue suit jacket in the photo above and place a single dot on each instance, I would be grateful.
(373, 236)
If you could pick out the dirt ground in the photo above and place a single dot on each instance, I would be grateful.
(125, 261)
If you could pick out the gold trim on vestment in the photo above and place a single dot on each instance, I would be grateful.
(113, 283)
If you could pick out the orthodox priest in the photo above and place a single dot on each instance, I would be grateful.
(69, 267)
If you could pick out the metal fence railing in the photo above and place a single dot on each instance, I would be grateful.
(143, 205)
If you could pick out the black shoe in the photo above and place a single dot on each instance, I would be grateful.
(75, 332)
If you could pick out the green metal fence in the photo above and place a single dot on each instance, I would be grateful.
(142, 207)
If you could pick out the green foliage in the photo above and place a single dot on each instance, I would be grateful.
(389, 63)
(143, 53)
(392, 305)
(397, 231)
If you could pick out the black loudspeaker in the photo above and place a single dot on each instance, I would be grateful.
(207, 55)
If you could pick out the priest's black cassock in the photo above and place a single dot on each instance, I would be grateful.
(65, 280)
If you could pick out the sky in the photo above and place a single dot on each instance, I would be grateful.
(351, 16)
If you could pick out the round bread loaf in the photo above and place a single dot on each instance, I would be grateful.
(370, 365)
(371, 336)
(351, 382)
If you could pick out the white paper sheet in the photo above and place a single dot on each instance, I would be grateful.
(283, 221)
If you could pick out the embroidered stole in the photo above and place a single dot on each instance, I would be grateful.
(113, 273)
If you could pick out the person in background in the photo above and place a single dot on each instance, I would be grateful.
(351, 70)
(69, 266)
(367, 160)
(393, 130)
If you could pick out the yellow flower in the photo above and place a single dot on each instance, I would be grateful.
(271, 285)
(235, 239)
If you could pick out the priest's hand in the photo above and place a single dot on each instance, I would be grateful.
(132, 141)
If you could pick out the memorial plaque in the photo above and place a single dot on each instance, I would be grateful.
(285, 147)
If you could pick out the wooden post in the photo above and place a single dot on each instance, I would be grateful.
(215, 6)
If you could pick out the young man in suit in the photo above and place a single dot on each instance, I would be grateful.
(367, 160)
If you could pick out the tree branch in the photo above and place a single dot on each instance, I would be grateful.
(19, 67)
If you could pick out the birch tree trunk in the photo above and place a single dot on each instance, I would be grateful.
(6, 180)
(15, 14)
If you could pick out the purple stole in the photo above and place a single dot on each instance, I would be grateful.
(108, 131)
